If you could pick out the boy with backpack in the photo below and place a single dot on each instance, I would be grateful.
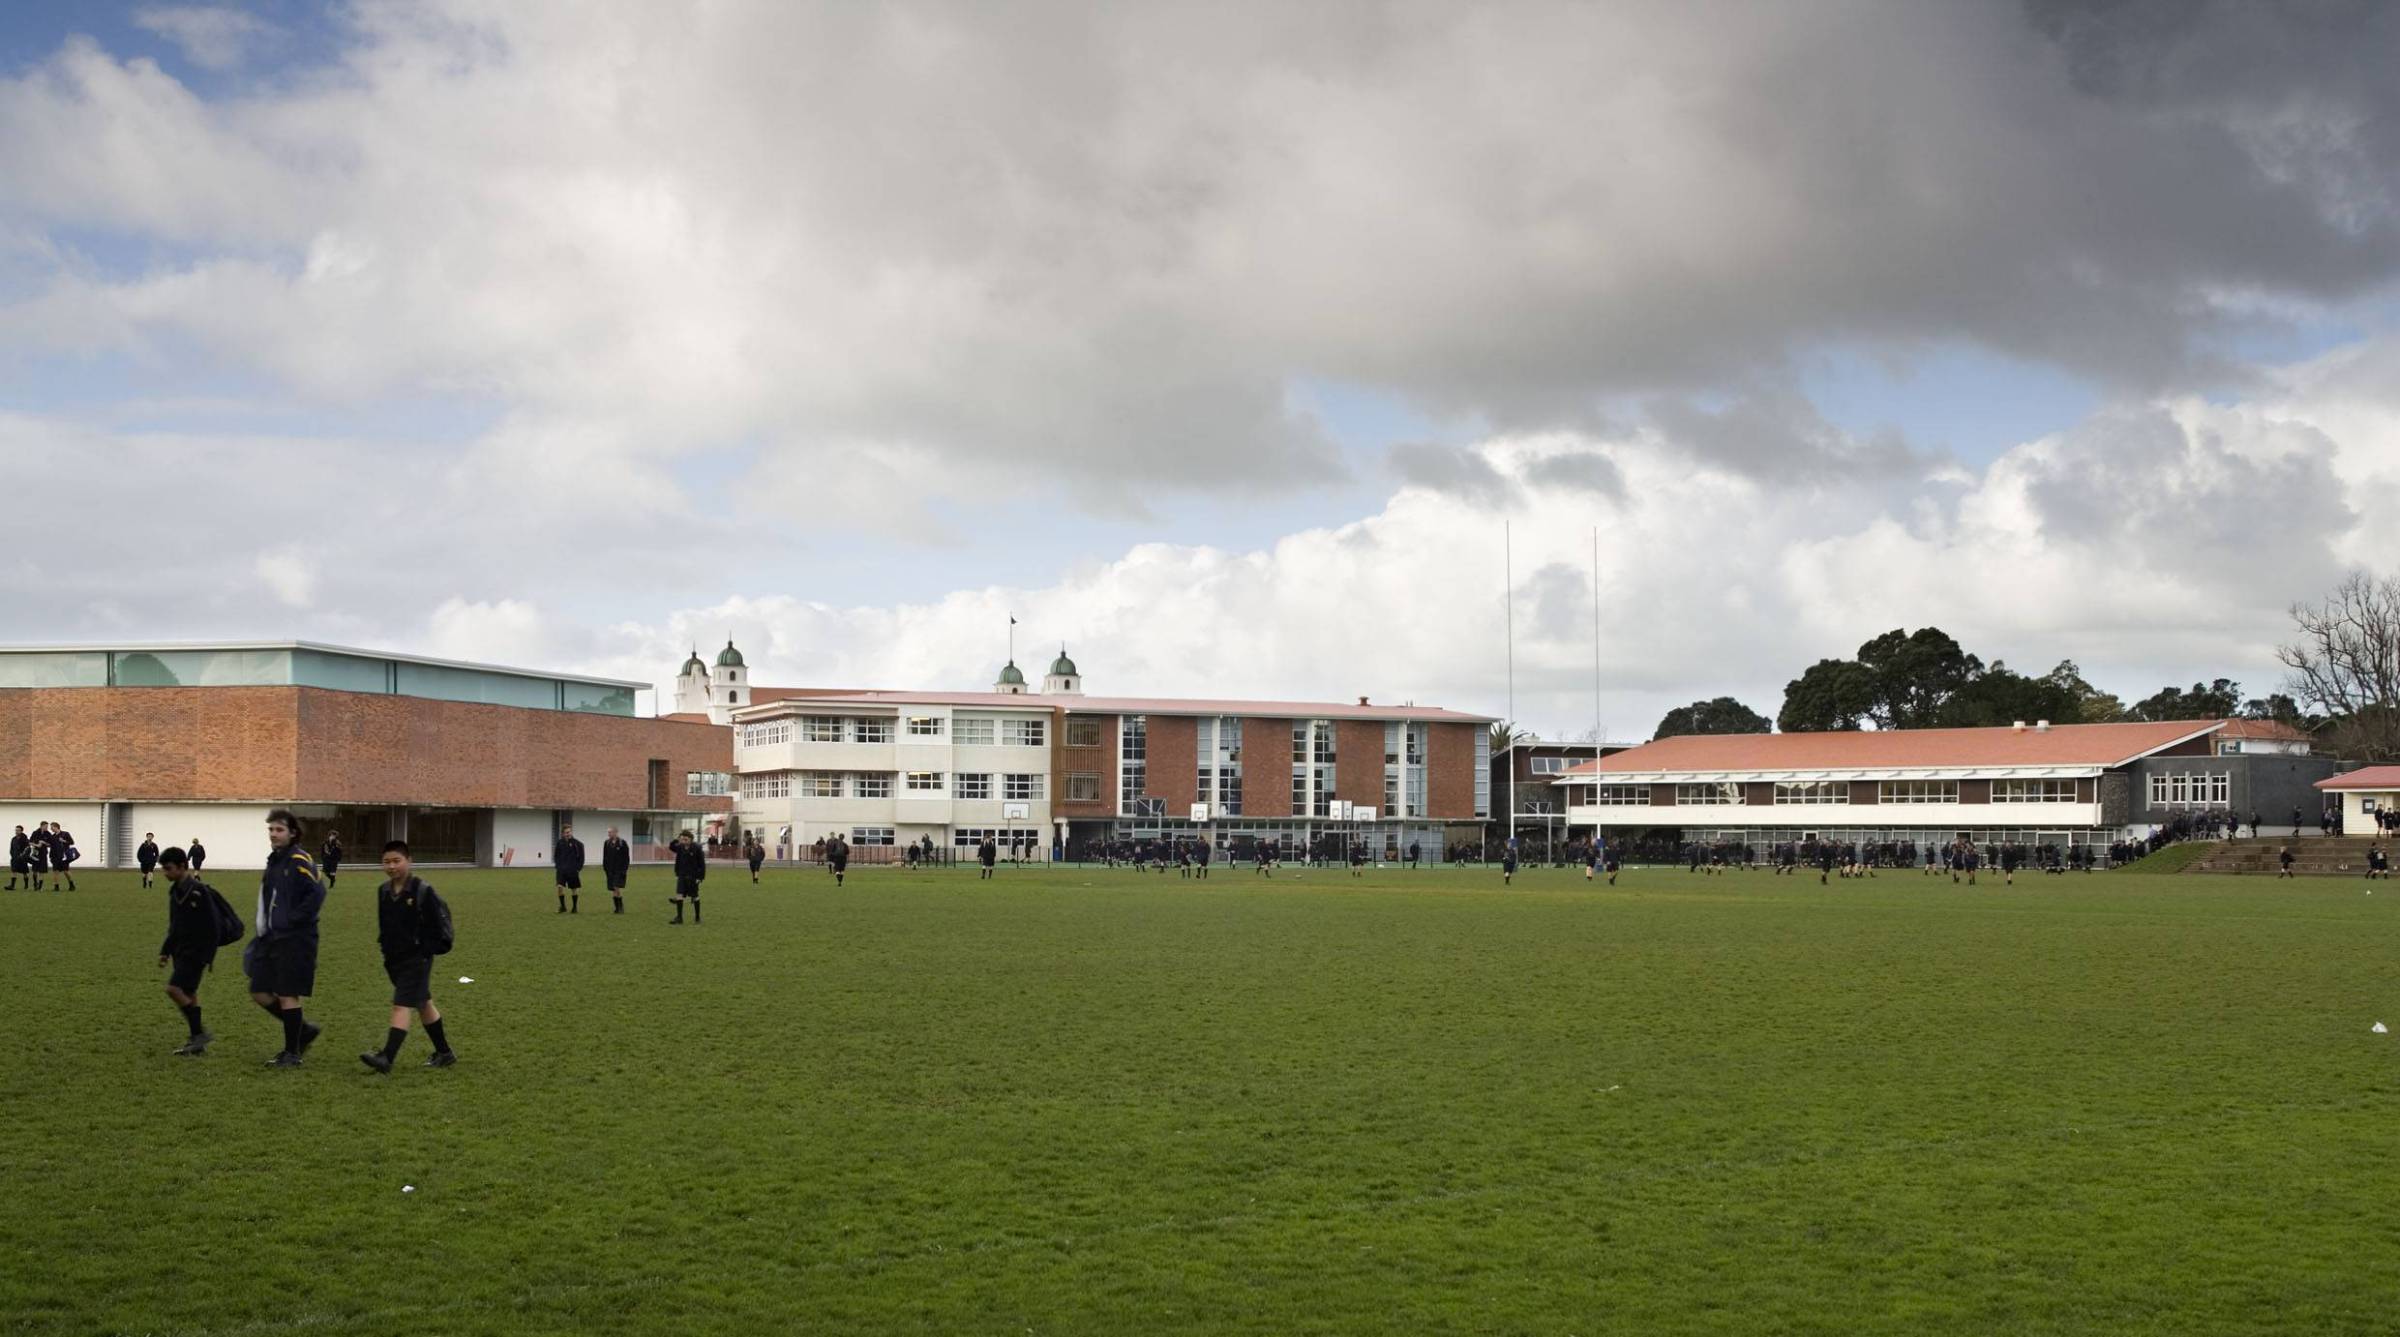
(199, 921)
(412, 925)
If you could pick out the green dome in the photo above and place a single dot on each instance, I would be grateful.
(729, 657)
(1063, 667)
(1011, 676)
(693, 665)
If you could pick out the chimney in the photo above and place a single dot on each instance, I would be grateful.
(2019, 726)
(1362, 700)
(2041, 726)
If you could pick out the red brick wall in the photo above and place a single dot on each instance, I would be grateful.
(307, 744)
(1266, 768)
(1175, 762)
(1450, 772)
(1100, 761)
(1358, 762)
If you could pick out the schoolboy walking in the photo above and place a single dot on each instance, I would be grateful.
(837, 857)
(281, 960)
(616, 860)
(986, 854)
(20, 859)
(754, 850)
(412, 926)
(63, 853)
(147, 857)
(196, 927)
(691, 869)
(567, 857)
(329, 857)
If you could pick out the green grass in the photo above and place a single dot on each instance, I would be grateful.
(1087, 1102)
(2174, 858)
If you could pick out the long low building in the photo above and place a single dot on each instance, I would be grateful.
(2032, 783)
(1055, 769)
(471, 763)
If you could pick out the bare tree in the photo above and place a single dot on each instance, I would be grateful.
(2346, 663)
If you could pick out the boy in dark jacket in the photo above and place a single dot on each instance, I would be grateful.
(837, 857)
(190, 946)
(20, 859)
(199, 855)
(147, 857)
(616, 860)
(691, 869)
(330, 859)
(410, 923)
(282, 958)
(63, 853)
(567, 856)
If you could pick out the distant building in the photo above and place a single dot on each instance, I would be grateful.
(1535, 764)
(471, 763)
(1056, 768)
(2029, 783)
(2365, 796)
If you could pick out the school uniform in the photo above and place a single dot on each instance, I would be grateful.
(987, 853)
(198, 856)
(691, 869)
(330, 857)
(20, 855)
(147, 857)
(282, 956)
(402, 916)
(191, 941)
(568, 855)
(616, 859)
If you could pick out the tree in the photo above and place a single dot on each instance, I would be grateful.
(2092, 706)
(2345, 662)
(1834, 694)
(1723, 715)
(1915, 675)
(2218, 700)
(1506, 734)
(2281, 708)
(2000, 695)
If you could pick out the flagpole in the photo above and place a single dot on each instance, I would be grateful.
(1599, 728)
(1508, 606)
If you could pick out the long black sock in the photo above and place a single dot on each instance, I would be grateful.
(695, 909)
(191, 1017)
(291, 1029)
(562, 902)
(433, 1032)
(393, 1038)
(620, 903)
(575, 904)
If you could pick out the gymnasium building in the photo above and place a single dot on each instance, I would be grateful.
(1052, 770)
(2031, 784)
(471, 763)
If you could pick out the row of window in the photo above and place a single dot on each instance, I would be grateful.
(2186, 789)
(1015, 786)
(1886, 791)
(965, 730)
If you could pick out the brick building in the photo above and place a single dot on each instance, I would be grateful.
(1056, 769)
(471, 763)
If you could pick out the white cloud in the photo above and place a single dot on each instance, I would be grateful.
(211, 36)
(289, 574)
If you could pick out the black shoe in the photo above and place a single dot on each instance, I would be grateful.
(286, 1059)
(309, 1031)
(196, 1046)
(376, 1061)
(442, 1058)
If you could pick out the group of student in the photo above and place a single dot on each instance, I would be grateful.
(32, 858)
(412, 927)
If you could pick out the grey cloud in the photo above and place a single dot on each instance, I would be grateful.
(1454, 471)
(1589, 471)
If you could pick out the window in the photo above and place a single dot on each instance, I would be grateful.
(1624, 796)
(971, 730)
(1708, 794)
(820, 784)
(868, 784)
(924, 726)
(1549, 765)
(1133, 762)
(925, 782)
(1811, 791)
(1082, 787)
(2033, 791)
(1229, 791)
(872, 835)
(968, 837)
(821, 729)
(871, 731)
(772, 784)
(1021, 787)
(1022, 733)
(1917, 791)
(974, 784)
(1083, 731)
(707, 782)
(765, 735)
(2191, 789)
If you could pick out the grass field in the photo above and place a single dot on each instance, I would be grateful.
(1096, 1102)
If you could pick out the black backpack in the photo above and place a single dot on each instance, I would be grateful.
(435, 933)
(229, 922)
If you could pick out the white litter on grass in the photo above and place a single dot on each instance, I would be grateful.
(408, 1188)
(2378, 1029)
(466, 979)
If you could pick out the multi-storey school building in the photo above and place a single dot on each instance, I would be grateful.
(2034, 783)
(471, 763)
(1057, 770)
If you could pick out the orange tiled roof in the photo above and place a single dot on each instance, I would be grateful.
(2365, 777)
(2060, 745)
(2274, 729)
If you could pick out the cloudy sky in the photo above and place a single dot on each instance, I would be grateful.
(1218, 341)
